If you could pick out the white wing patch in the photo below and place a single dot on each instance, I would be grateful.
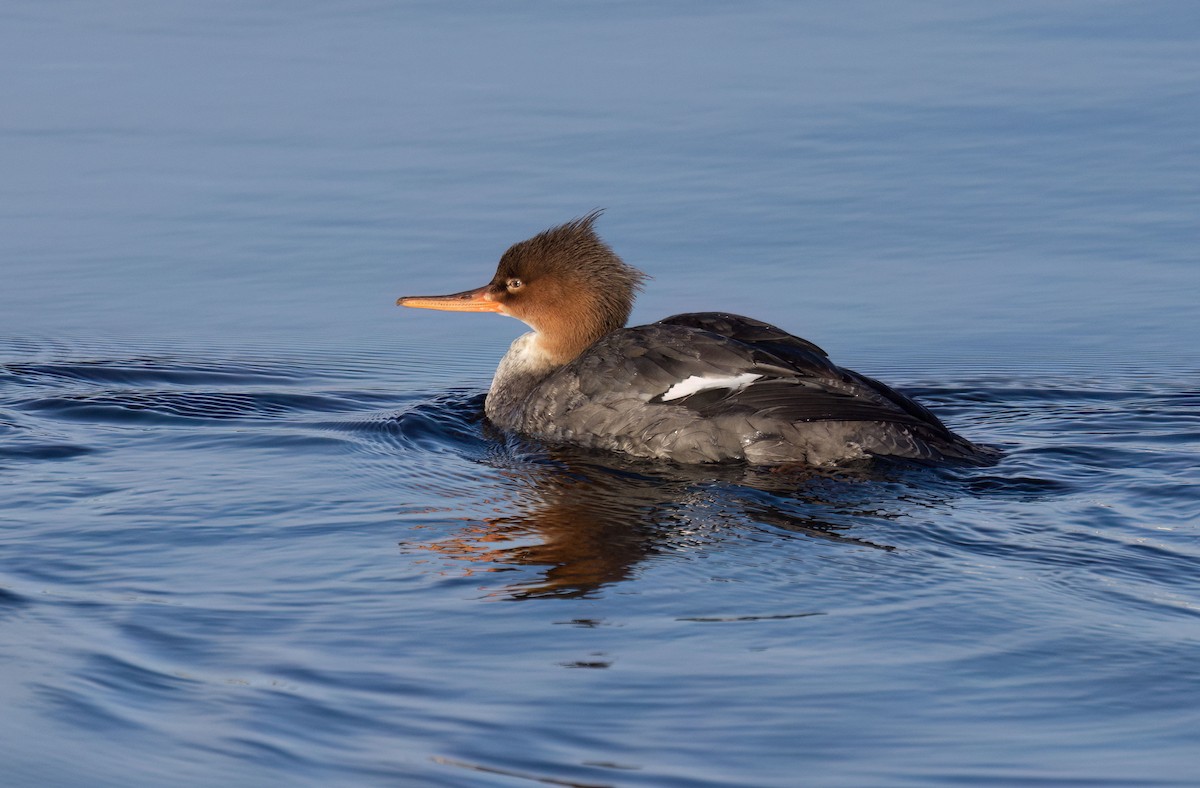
(689, 386)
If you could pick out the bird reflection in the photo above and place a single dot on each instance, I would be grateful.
(585, 522)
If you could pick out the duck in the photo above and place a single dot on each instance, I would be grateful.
(700, 387)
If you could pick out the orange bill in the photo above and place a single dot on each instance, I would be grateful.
(466, 301)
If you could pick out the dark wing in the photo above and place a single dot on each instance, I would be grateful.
(746, 330)
(799, 382)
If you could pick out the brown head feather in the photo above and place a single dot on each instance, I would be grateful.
(570, 286)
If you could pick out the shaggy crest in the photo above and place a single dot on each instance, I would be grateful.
(573, 287)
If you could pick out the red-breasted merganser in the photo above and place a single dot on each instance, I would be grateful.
(693, 388)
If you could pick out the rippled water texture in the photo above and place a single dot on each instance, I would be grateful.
(255, 531)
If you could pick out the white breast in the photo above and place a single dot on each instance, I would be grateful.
(689, 386)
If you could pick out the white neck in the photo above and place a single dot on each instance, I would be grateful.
(524, 366)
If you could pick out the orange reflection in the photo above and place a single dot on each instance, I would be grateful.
(586, 523)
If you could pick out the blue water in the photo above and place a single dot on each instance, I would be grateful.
(254, 529)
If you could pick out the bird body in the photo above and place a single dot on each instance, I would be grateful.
(692, 388)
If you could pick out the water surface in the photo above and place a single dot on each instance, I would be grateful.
(254, 529)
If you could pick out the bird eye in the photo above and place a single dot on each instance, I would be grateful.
(515, 284)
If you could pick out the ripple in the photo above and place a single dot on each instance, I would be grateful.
(151, 371)
(11, 602)
(451, 421)
(526, 776)
(165, 407)
(80, 708)
(30, 440)
(1026, 488)
(746, 618)
(43, 451)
